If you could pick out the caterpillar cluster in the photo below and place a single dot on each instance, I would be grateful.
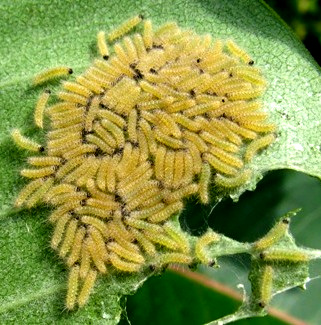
(164, 114)
(269, 257)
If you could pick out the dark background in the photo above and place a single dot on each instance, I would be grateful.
(304, 17)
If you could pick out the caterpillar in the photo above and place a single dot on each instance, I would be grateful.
(230, 182)
(40, 107)
(50, 74)
(273, 236)
(279, 255)
(257, 145)
(200, 248)
(73, 283)
(266, 286)
(124, 28)
(24, 142)
(102, 46)
(238, 52)
(170, 258)
(88, 284)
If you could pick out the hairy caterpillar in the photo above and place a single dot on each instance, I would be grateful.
(24, 142)
(50, 74)
(102, 46)
(266, 286)
(274, 235)
(40, 107)
(279, 255)
(200, 248)
(125, 27)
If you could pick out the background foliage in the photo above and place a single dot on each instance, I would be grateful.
(304, 16)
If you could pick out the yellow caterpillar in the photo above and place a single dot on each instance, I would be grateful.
(50, 74)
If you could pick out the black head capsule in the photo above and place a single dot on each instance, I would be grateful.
(125, 213)
(98, 152)
(138, 75)
(158, 46)
(160, 185)
(192, 266)
(286, 221)
(41, 149)
(84, 132)
(151, 160)
(106, 57)
(135, 144)
(118, 151)
(192, 92)
(63, 161)
(251, 62)
(212, 263)
(70, 71)
(118, 198)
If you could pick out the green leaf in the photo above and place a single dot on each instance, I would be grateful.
(195, 303)
(37, 35)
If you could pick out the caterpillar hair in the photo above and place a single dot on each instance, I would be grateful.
(124, 28)
(50, 74)
(102, 45)
(24, 142)
(40, 107)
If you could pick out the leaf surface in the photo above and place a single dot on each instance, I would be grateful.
(36, 35)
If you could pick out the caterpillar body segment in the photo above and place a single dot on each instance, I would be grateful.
(25, 143)
(50, 74)
(124, 28)
(102, 45)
